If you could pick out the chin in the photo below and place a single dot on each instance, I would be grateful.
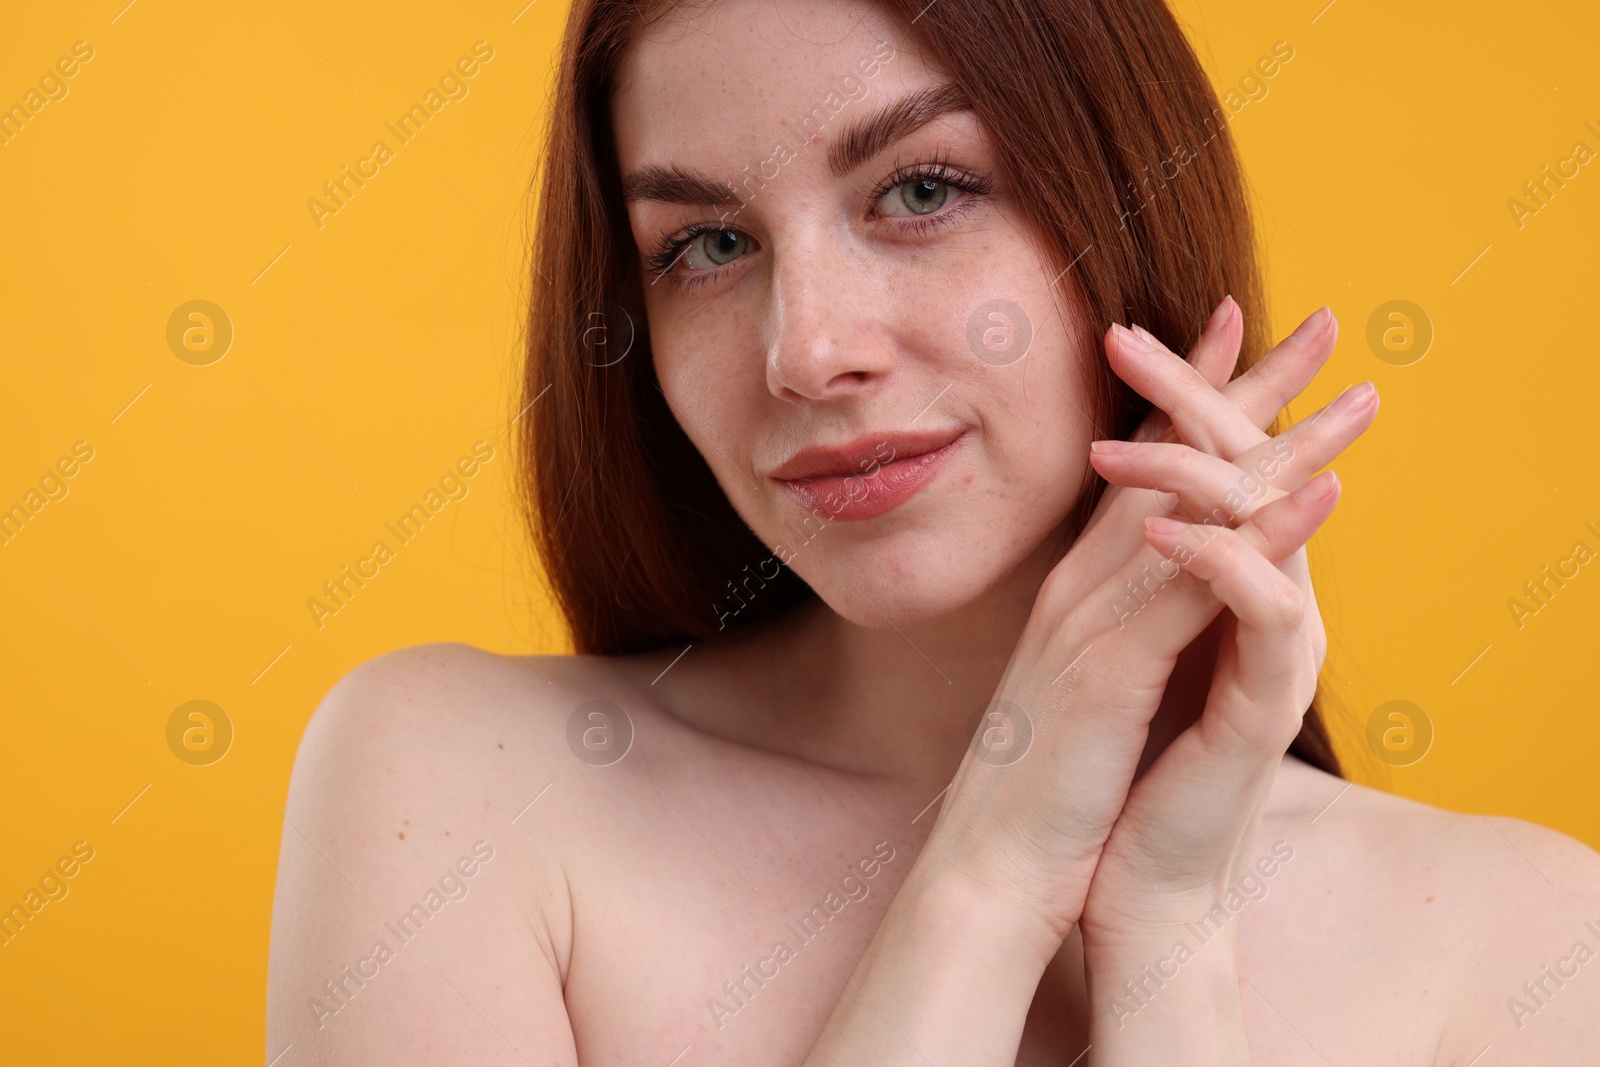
(913, 579)
(882, 605)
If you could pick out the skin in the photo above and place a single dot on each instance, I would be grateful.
(619, 899)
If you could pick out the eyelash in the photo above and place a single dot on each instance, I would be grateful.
(665, 257)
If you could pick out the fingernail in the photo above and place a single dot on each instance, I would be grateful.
(1149, 337)
(1110, 447)
(1317, 488)
(1163, 526)
(1220, 316)
(1130, 339)
(1312, 326)
(1353, 399)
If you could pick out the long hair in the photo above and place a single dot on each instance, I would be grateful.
(1119, 155)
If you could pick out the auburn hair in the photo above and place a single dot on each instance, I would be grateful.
(1118, 152)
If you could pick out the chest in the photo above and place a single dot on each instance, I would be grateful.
(722, 925)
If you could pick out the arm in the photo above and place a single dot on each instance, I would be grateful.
(389, 949)
(948, 979)
(1158, 988)
(1161, 977)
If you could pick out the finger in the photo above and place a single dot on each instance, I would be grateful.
(1216, 352)
(1210, 489)
(1240, 575)
(1279, 528)
(1280, 375)
(1214, 355)
(1155, 601)
(1286, 369)
(1203, 416)
(1265, 678)
(1260, 393)
(1276, 534)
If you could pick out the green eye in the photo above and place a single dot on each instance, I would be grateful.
(924, 195)
(719, 247)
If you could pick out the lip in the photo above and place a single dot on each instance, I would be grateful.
(870, 475)
(864, 452)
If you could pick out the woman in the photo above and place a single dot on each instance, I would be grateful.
(904, 730)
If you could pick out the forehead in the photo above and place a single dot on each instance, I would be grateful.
(721, 85)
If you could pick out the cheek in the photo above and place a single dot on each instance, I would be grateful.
(706, 403)
(715, 408)
(1036, 421)
(1041, 457)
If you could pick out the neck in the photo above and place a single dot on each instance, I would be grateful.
(902, 702)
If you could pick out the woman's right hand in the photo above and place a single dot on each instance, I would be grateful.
(1050, 766)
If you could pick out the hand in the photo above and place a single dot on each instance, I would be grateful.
(1084, 681)
(1184, 834)
(1115, 527)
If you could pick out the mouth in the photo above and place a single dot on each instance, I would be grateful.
(870, 475)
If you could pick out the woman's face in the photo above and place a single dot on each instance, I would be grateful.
(873, 286)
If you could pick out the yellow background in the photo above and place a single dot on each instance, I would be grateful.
(373, 352)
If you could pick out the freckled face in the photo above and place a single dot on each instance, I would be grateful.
(821, 307)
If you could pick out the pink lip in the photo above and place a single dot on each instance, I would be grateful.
(870, 475)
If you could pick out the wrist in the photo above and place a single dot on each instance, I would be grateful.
(981, 920)
(1166, 983)
(951, 968)
(1125, 910)
(1156, 951)
(1147, 999)
(1127, 918)
(977, 878)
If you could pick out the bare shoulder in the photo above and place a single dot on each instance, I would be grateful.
(1499, 915)
(418, 876)
(433, 734)
(413, 699)
(1528, 915)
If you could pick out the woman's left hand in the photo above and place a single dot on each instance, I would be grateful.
(1186, 833)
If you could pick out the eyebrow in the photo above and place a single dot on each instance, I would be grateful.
(859, 142)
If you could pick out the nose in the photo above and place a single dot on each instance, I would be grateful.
(830, 333)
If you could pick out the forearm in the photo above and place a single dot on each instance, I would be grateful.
(1168, 993)
(948, 978)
